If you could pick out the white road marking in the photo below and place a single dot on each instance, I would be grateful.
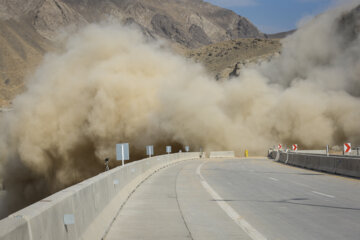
(274, 179)
(300, 184)
(245, 226)
(323, 194)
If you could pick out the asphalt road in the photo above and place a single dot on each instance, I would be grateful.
(241, 199)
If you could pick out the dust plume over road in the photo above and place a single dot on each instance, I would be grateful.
(109, 85)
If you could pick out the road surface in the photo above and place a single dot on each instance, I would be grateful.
(240, 199)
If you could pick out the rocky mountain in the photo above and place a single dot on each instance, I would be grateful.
(225, 59)
(191, 23)
(28, 28)
(21, 49)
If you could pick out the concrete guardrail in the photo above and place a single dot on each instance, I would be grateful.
(89, 207)
(312, 151)
(223, 154)
(342, 165)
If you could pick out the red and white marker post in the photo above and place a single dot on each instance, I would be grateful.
(279, 146)
(295, 147)
(347, 148)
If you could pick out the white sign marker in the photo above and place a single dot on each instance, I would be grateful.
(150, 150)
(122, 152)
(168, 149)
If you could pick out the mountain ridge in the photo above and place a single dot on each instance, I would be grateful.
(28, 29)
(176, 20)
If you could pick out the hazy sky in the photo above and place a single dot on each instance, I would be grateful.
(275, 15)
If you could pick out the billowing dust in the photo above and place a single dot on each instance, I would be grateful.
(110, 85)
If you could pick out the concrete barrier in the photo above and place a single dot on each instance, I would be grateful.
(93, 204)
(312, 151)
(223, 154)
(342, 165)
(274, 154)
(326, 164)
(348, 167)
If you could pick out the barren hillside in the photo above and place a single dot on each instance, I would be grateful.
(220, 59)
(28, 28)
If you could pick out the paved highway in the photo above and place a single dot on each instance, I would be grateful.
(240, 199)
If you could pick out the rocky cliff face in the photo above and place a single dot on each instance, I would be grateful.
(28, 28)
(191, 23)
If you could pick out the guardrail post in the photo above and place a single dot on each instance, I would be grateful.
(327, 150)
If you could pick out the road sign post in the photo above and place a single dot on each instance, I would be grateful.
(150, 150)
(327, 150)
(279, 147)
(295, 147)
(168, 149)
(347, 148)
(122, 152)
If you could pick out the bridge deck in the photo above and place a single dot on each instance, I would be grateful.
(240, 199)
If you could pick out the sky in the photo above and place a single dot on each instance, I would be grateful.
(272, 16)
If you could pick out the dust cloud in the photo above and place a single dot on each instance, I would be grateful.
(110, 85)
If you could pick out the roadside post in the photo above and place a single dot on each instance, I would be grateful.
(187, 148)
(295, 147)
(327, 150)
(107, 164)
(347, 148)
(150, 150)
(122, 152)
(168, 149)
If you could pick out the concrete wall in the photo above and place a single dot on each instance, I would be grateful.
(312, 151)
(94, 203)
(354, 152)
(342, 165)
(223, 154)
